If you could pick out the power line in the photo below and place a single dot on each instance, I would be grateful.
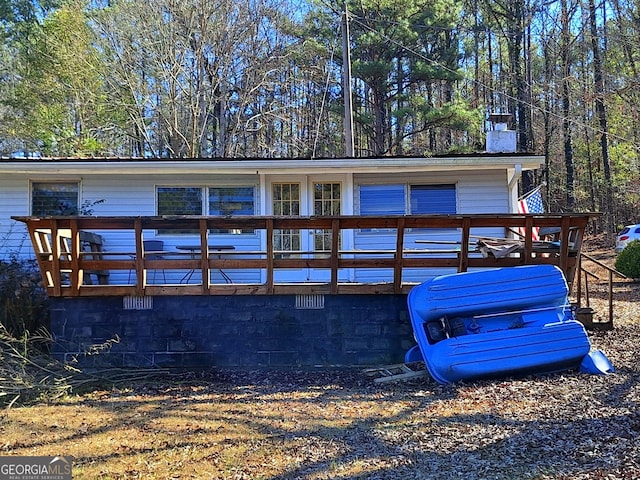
(323, 103)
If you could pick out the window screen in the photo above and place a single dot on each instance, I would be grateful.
(228, 201)
(179, 201)
(54, 198)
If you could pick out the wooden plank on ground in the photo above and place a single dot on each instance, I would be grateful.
(396, 372)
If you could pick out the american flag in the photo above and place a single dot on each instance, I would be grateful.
(531, 203)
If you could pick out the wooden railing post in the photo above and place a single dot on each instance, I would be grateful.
(270, 256)
(565, 228)
(204, 256)
(463, 260)
(77, 273)
(141, 272)
(399, 257)
(611, 296)
(56, 272)
(579, 281)
(528, 240)
(335, 254)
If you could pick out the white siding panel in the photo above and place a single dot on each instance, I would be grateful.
(477, 192)
(121, 196)
(14, 200)
(483, 192)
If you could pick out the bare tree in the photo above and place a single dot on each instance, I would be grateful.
(566, 42)
(194, 75)
(600, 109)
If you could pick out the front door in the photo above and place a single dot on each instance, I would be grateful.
(313, 198)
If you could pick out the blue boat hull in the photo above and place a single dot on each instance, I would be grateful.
(496, 323)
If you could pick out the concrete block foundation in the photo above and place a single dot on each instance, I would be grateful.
(232, 331)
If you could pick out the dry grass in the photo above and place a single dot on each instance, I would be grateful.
(340, 425)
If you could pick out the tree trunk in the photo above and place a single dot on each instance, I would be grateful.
(566, 110)
(601, 112)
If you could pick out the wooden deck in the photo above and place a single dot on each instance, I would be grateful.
(73, 262)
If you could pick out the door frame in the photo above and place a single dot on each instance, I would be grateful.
(306, 183)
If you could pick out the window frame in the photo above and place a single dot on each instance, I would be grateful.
(76, 209)
(407, 189)
(440, 187)
(205, 207)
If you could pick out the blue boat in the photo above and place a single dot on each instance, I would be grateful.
(495, 323)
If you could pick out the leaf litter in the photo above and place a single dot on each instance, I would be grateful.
(338, 424)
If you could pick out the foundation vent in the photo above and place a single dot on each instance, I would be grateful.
(309, 302)
(137, 303)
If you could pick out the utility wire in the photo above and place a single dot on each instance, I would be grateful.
(322, 104)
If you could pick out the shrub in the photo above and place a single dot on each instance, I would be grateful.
(628, 260)
(23, 300)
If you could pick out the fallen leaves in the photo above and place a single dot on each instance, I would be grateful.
(338, 424)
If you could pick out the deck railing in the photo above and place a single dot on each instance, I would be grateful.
(73, 261)
(582, 287)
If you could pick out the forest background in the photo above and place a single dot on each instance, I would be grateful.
(263, 78)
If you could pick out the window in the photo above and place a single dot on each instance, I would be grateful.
(180, 201)
(432, 199)
(54, 198)
(228, 201)
(223, 201)
(400, 199)
(286, 202)
(326, 202)
(326, 199)
(382, 200)
(286, 199)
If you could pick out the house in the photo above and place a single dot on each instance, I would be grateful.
(461, 184)
(237, 328)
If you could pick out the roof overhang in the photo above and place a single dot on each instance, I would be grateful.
(269, 166)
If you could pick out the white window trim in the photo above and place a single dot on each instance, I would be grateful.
(407, 193)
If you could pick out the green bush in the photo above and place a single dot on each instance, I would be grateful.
(628, 260)
(23, 300)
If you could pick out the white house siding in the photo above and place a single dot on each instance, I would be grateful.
(14, 200)
(477, 192)
(137, 196)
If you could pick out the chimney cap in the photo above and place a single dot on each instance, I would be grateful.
(500, 117)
